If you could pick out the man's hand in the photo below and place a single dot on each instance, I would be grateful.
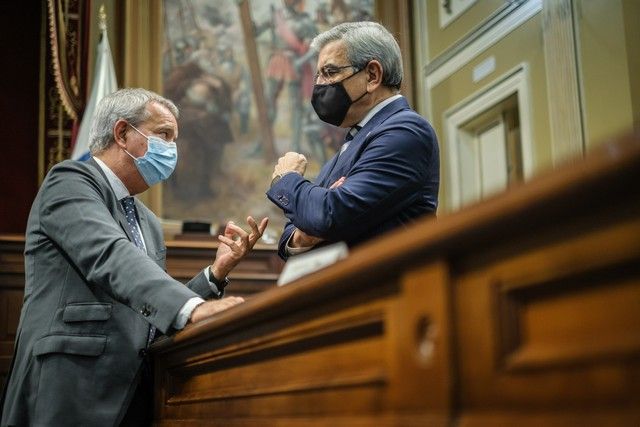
(290, 162)
(209, 308)
(300, 239)
(338, 183)
(234, 245)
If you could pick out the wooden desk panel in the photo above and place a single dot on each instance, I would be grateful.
(354, 356)
(521, 310)
(561, 324)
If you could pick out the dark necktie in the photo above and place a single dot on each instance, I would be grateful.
(348, 137)
(128, 203)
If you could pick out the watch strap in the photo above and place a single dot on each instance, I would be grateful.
(220, 284)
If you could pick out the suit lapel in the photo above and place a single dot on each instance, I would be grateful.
(345, 161)
(145, 228)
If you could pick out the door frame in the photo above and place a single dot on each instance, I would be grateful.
(515, 81)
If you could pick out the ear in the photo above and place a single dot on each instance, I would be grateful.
(120, 133)
(374, 72)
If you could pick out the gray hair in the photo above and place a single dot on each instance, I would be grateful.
(366, 41)
(129, 104)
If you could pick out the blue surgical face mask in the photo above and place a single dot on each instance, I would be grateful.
(158, 162)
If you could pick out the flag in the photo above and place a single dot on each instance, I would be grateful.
(104, 83)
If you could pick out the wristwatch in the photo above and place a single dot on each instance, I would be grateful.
(220, 284)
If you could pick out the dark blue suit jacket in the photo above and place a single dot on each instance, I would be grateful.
(392, 177)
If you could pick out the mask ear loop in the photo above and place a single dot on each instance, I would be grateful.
(353, 101)
(136, 129)
(146, 137)
(366, 92)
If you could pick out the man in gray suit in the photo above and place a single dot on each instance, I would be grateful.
(96, 288)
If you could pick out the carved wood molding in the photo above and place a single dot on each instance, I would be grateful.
(567, 139)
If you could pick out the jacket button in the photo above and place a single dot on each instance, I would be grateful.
(142, 352)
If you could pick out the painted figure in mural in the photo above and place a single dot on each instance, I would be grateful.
(203, 86)
(205, 100)
(242, 102)
(239, 81)
(290, 62)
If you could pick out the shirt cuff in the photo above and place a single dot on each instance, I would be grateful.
(185, 312)
(295, 251)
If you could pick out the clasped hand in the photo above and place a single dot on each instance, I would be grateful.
(290, 162)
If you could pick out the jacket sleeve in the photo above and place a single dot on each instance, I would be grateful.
(289, 228)
(74, 215)
(200, 285)
(384, 180)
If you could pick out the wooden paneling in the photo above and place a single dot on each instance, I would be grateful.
(257, 272)
(521, 310)
(563, 317)
(11, 294)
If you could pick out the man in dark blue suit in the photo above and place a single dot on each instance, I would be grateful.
(387, 171)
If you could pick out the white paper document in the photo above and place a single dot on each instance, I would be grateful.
(310, 262)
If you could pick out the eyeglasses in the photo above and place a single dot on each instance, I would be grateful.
(329, 72)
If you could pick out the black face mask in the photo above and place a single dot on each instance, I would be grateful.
(331, 101)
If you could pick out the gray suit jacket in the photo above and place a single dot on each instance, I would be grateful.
(90, 295)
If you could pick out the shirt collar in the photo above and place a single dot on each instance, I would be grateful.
(116, 184)
(377, 108)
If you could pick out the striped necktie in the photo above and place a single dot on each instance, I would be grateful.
(128, 203)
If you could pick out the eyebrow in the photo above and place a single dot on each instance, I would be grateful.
(329, 65)
(167, 129)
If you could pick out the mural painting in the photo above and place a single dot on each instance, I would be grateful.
(244, 101)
